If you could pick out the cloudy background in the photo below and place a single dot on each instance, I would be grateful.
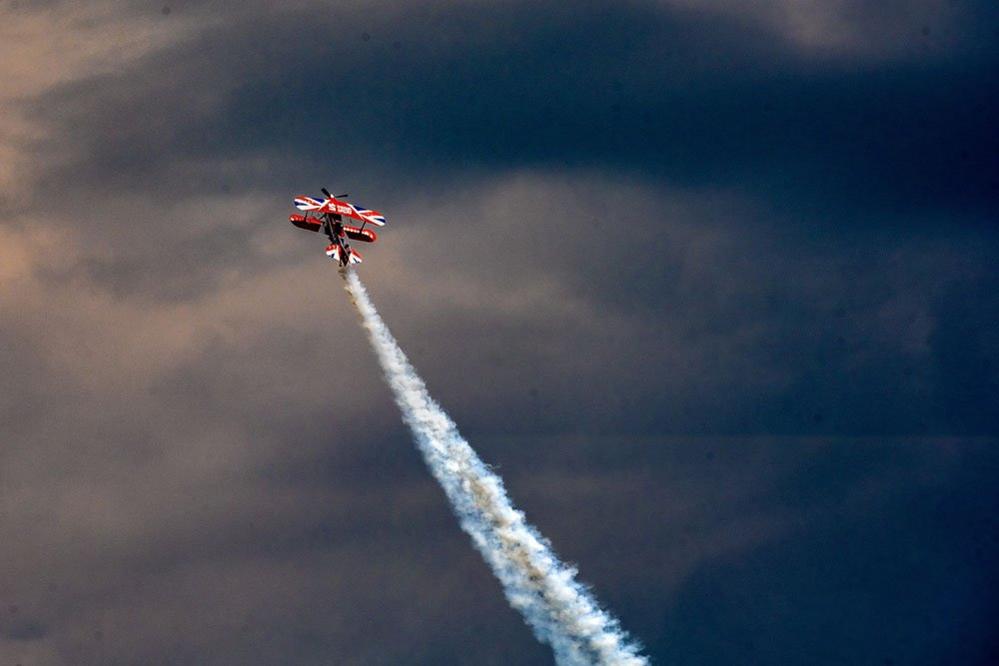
(712, 284)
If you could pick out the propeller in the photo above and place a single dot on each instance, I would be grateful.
(330, 196)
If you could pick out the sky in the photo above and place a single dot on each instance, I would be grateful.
(710, 284)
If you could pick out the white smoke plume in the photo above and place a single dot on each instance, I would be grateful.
(559, 610)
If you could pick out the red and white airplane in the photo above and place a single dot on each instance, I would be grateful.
(327, 214)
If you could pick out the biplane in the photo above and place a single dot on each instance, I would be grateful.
(327, 215)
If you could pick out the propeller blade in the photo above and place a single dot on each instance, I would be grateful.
(326, 192)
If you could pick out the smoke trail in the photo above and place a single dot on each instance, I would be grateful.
(559, 610)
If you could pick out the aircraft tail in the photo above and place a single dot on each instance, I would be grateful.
(335, 252)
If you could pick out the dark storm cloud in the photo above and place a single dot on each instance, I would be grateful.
(800, 541)
(715, 316)
(696, 98)
(608, 223)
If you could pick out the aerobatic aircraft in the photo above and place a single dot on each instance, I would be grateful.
(327, 214)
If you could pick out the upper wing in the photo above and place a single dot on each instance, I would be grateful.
(303, 202)
(343, 208)
(366, 215)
